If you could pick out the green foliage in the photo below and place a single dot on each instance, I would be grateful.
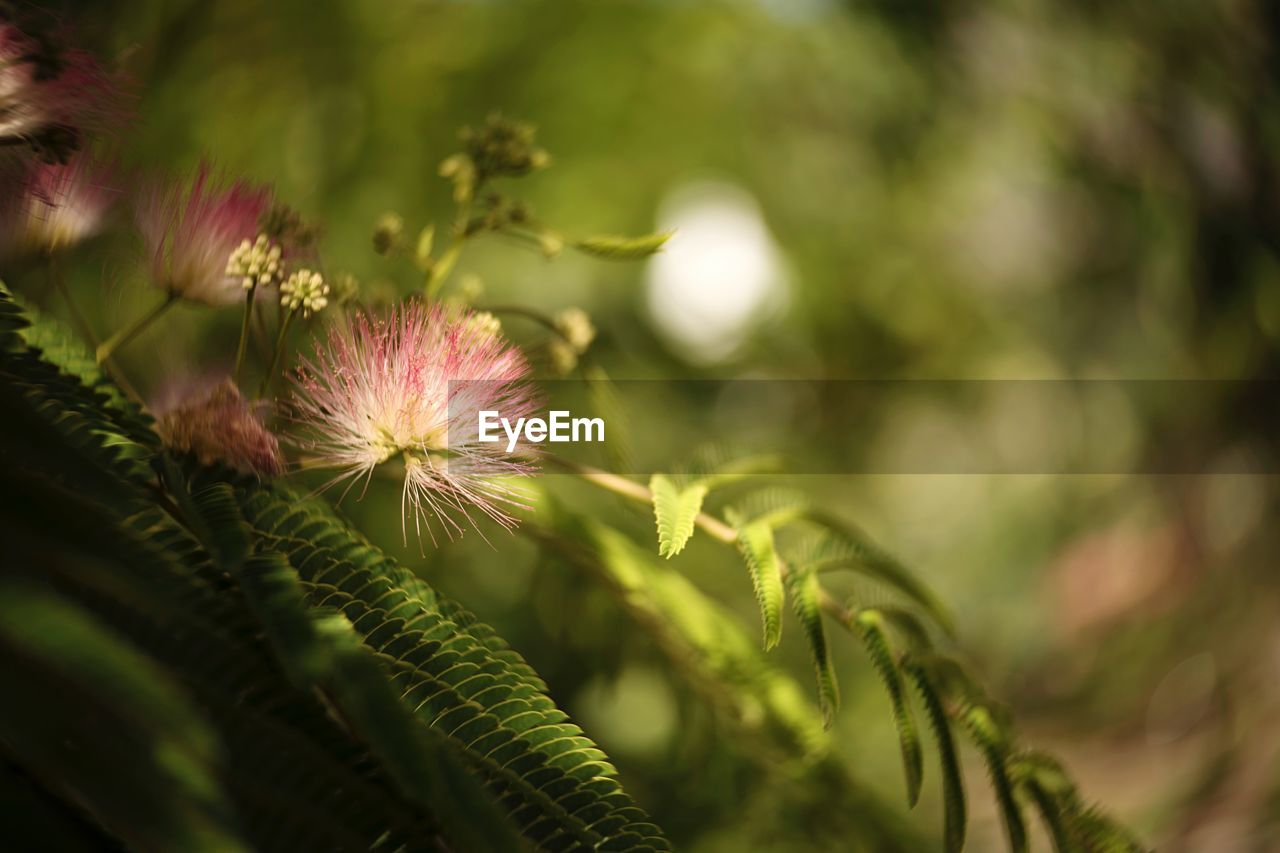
(675, 510)
(953, 799)
(705, 643)
(870, 624)
(298, 687)
(990, 740)
(622, 248)
(203, 619)
(804, 590)
(755, 542)
(151, 777)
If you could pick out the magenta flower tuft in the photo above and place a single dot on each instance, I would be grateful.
(61, 204)
(411, 386)
(49, 97)
(212, 422)
(192, 229)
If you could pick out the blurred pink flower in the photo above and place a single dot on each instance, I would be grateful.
(191, 230)
(49, 97)
(412, 385)
(211, 421)
(60, 205)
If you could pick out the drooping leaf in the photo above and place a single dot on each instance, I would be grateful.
(870, 625)
(675, 511)
(990, 740)
(804, 591)
(953, 796)
(755, 542)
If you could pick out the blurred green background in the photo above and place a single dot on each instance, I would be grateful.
(881, 189)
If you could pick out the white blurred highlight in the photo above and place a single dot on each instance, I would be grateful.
(720, 276)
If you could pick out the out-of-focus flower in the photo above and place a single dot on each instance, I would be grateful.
(387, 232)
(346, 287)
(484, 323)
(304, 290)
(256, 264)
(60, 205)
(575, 332)
(50, 96)
(191, 230)
(215, 424)
(411, 386)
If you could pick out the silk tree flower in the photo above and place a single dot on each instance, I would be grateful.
(49, 97)
(191, 231)
(410, 387)
(61, 204)
(211, 421)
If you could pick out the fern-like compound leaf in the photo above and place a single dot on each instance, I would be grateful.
(675, 511)
(803, 588)
(953, 797)
(755, 542)
(870, 626)
(990, 740)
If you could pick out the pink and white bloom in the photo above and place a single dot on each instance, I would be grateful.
(410, 387)
(62, 204)
(210, 420)
(50, 97)
(191, 229)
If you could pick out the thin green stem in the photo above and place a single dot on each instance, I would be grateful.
(244, 329)
(448, 259)
(131, 331)
(443, 266)
(109, 365)
(276, 353)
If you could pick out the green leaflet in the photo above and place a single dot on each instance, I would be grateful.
(675, 511)
(615, 248)
(803, 586)
(294, 777)
(953, 797)
(1073, 827)
(755, 542)
(850, 548)
(56, 660)
(870, 624)
(990, 740)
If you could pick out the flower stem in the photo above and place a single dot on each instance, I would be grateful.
(443, 266)
(128, 333)
(59, 284)
(244, 329)
(275, 355)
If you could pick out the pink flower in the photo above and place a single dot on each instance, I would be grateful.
(211, 421)
(49, 96)
(411, 386)
(191, 230)
(62, 204)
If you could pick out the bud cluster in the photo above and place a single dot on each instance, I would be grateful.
(575, 332)
(256, 264)
(305, 290)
